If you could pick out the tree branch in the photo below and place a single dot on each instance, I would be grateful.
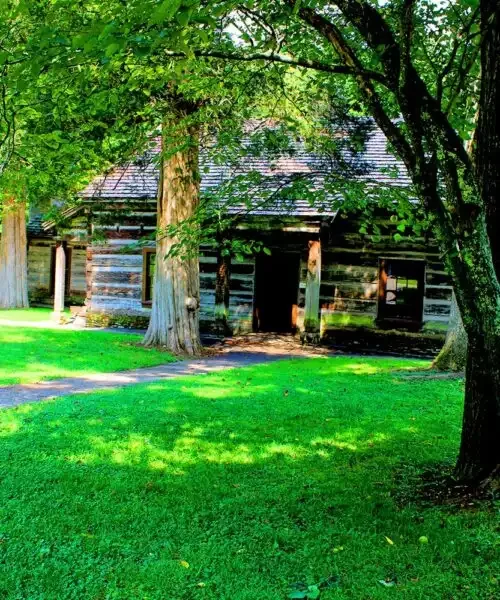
(406, 40)
(416, 98)
(456, 45)
(347, 55)
(284, 59)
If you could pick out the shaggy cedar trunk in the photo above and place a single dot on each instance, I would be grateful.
(453, 355)
(222, 294)
(14, 257)
(174, 320)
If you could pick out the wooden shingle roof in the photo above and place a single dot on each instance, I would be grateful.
(138, 180)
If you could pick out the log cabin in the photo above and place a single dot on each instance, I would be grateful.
(321, 267)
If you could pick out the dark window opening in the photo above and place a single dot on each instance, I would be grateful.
(276, 291)
(401, 292)
(148, 274)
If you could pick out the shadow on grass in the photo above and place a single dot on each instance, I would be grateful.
(231, 485)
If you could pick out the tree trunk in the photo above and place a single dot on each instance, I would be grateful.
(479, 454)
(222, 294)
(174, 320)
(453, 355)
(14, 257)
(457, 197)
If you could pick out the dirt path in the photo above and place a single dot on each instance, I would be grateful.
(225, 358)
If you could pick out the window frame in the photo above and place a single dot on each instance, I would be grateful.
(418, 265)
(146, 276)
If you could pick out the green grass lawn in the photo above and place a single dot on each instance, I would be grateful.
(32, 354)
(236, 485)
(32, 315)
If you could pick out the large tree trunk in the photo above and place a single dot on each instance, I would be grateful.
(14, 257)
(480, 444)
(174, 320)
(453, 355)
(479, 454)
(478, 297)
(456, 196)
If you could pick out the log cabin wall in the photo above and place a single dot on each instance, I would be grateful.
(111, 270)
(241, 292)
(116, 277)
(39, 256)
(114, 260)
(350, 273)
(41, 266)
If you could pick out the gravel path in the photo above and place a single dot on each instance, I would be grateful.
(34, 392)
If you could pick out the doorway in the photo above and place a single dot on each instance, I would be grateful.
(276, 291)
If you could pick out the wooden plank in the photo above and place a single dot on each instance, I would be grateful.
(313, 281)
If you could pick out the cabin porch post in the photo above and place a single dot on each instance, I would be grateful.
(59, 280)
(313, 282)
(222, 288)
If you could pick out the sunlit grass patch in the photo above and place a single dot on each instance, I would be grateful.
(28, 315)
(29, 354)
(238, 484)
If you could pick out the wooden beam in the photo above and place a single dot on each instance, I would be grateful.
(222, 283)
(59, 281)
(313, 282)
(88, 275)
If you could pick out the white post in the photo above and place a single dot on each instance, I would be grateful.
(59, 281)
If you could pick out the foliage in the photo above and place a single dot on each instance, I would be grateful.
(28, 355)
(96, 319)
(238, 485)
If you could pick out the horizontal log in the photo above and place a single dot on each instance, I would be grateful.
(117, 291)
(353, 305)
(103, 303)
(117, 276)
(337, 273)
(439, 292)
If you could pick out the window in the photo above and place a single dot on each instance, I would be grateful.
(401, 290)
(148, 273)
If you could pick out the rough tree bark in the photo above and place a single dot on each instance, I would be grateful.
(13, 257)
(174, 320)
(453, 355)
(480, 444)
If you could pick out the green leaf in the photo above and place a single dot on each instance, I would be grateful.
(182, 17)
(313, 592)
(296, 6)
(112, 49)
(297, 594)
(165, 11)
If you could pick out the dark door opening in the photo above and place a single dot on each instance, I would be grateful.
(276, 291)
